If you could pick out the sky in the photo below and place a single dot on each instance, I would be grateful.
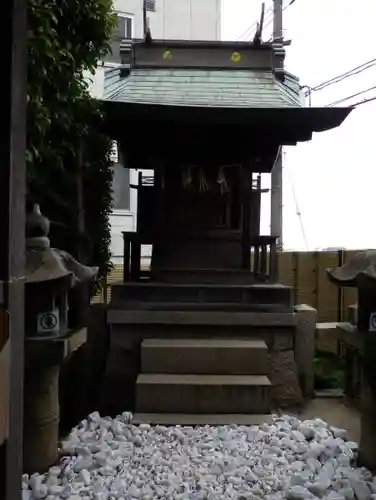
(334, 175)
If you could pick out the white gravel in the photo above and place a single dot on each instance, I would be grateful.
(111, 459)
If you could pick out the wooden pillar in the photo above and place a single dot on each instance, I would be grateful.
(12, 226)
(126, 255)
(135, 259)
(246, 219)
(159, 190)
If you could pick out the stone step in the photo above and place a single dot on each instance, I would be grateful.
(205, 356)
(204, 306)
(208, 276)
(170, 419)
(162, 296)
(236, 319)
(202, 394)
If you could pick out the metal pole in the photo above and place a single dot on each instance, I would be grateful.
(276, 222)
(144, 18)
(12, 227)
(276, 209)
(278, 21)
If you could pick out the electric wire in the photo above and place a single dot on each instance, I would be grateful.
(344, 99)
(299, 214)
(283, 10)
(253, 26)
(269, 15)
(298, 211)
(339, 78)
(365, 101)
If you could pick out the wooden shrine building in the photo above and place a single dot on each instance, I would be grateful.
(208, 118)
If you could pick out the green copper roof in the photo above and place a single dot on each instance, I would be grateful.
(202, 88)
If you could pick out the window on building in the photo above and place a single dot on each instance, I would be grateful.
(150, 5)
(123, 30)
(120, 182)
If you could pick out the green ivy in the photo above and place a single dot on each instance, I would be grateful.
(66, 40)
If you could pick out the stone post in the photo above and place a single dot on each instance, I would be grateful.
(305, 334)
(43, 360)
(367, 329)
(41, 422)
(367, 448)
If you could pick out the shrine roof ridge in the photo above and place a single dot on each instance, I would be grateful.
(202, 43)
(184, 54)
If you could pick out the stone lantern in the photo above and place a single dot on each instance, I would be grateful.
(360, 273)
(49, 275)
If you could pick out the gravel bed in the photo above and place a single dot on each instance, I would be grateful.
(111, 459)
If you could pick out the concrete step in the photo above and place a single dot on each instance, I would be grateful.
(202, 394)
(170, 419)
(204, 356)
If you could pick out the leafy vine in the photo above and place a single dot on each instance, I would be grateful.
(66, 149)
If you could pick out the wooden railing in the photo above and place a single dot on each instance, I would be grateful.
(263, 257)
(131, 256)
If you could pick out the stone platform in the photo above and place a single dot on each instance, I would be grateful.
(201, 297)
(187, 330)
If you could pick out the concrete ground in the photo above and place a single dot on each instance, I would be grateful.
(336, 412)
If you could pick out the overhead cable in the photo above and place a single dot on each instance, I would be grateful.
(298, 211)
(365, 101)
(299, 214)
(269, 16)
(343, 76)
(351, 97)
(253, 27)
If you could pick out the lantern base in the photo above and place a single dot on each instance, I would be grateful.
(43, 358)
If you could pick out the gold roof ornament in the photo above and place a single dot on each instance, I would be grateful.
(236, 57)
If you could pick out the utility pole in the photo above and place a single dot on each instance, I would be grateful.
(276, 180)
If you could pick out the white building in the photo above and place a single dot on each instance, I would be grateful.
(174, 19)
(169, 19)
